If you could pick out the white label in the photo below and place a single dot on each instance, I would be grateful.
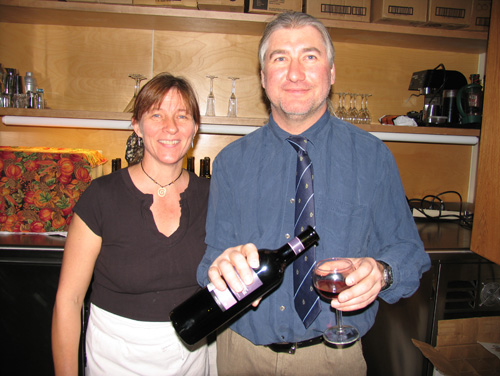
(228, 298)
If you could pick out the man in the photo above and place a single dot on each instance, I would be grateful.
(360, 212)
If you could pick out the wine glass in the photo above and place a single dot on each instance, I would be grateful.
(211, 98)
(329, 280)
(341, 110)
(231, 109)
(367, 112)
(353, 111)
(138, 78)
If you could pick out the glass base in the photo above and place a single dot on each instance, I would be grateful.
(341, 336)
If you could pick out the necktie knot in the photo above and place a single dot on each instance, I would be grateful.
(299, 143)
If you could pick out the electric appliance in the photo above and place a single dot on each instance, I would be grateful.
(434, 84)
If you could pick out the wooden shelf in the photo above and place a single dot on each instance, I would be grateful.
(50, 12)
(225, 121)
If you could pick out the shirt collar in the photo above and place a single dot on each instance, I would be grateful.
(313, 134)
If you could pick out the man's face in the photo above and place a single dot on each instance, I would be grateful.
(297, 77)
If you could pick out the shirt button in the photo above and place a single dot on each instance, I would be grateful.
(292, 201)
(287, 236)
(282, 308)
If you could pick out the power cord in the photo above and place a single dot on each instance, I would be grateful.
(436, 203)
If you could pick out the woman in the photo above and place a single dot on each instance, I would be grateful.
(140, 233)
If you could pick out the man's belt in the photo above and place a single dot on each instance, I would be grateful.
(291, 347)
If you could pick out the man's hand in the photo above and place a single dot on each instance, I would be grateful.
(233, 267)
(366, 282)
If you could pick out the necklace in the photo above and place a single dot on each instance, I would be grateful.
(162, 190)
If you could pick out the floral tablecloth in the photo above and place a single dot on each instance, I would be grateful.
(40, 185)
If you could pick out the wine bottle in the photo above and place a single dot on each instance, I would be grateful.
(206, 172)
(209, 308)
(190, 164)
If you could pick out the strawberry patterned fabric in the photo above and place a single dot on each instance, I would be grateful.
(40, 185)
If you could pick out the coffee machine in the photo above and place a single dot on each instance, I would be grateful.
(440, 87)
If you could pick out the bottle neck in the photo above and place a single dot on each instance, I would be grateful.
(299, 244)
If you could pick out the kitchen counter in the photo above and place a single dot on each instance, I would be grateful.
(438, 237)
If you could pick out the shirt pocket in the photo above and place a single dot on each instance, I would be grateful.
(342, 227)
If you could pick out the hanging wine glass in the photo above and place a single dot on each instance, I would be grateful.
(138, 78)
(211, 98)
(353, 111)
(231, 110)
(367, 115)
(341, 110)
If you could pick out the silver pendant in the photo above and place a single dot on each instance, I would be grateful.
(162, 192)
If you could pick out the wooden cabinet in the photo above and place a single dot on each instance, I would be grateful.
(485, 234)
(82, 54)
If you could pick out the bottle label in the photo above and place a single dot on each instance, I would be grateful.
(296, 245)
(227, 298)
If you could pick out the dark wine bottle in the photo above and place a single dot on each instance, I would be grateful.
(190, 164)
(206, 172)
(209, 308)
(202, 168)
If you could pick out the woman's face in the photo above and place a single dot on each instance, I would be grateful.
(168, 131)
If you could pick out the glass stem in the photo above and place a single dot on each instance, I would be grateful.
(339, 319)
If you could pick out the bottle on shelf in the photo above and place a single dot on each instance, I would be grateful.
(206, 168)
(30, 85)
(116, 164)
(190, 164)
(209, 308)
(202, 168)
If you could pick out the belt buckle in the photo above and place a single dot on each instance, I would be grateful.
(292, 348)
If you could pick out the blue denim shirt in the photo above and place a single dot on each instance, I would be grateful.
(360, 208)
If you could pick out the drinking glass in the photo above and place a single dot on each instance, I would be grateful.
(353, 114)
(329, 280)
(138, 78)
(231, 109)
(211, 98)
(367, 117)
(341, 110)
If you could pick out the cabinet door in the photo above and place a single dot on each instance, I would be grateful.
(485, 233)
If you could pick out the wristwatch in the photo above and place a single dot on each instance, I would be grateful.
(387, 275)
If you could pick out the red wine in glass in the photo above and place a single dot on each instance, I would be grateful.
(329, 280)
(330, 287)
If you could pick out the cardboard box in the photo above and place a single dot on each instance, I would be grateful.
(222, 5)
(450, 14)
(39, 186)
(409, 12)
(481, 13)
(274, 6)
(190, 4)
(347, 10)
(458, 351)
(125, 2)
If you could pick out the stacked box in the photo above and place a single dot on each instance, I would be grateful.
(347, 10)
(411, 12)
(188, 4)
(274, 6)
(222, 5)
(481, 13)
(40, 186)
(450, 14)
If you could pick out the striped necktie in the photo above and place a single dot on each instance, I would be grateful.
(306, 300)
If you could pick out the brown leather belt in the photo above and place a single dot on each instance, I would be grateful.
(291, 347)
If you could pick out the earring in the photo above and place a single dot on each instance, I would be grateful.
(192, 143)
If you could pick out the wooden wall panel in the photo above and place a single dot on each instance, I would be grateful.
(195, 56)
(430, 169)
(84, 68)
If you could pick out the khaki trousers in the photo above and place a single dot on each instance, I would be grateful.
(236, 356)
